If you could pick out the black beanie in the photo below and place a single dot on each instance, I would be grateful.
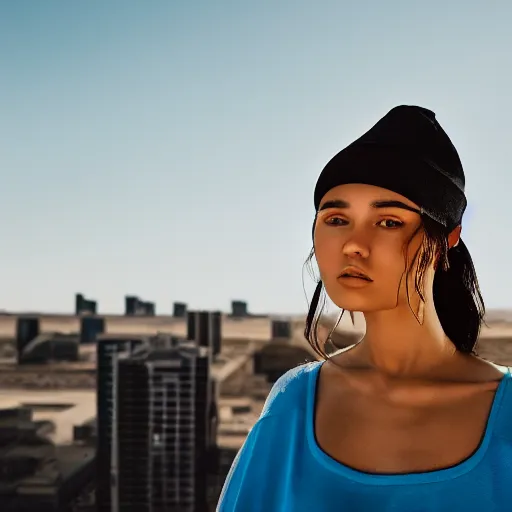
(409, 153)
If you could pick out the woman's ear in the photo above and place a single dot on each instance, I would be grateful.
(454, 237)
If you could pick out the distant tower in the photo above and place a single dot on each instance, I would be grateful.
(79, 299)
(179, 310)
(131, 305)
(239, 309)
(164, 418)
(84, 306)
(108, 352)
(27, 329)
(149, 308)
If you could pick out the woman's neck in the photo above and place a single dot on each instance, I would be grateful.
(397, 345)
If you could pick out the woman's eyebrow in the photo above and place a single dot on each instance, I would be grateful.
(341, 204)
(394, 204)
(334, 203)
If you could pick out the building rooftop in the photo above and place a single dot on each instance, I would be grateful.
(63, 408)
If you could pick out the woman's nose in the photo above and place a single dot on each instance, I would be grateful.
(356, 248)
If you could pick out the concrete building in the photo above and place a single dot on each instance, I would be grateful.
(36, 475)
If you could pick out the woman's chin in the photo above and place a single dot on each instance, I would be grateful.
(363, 299)
(361, 305)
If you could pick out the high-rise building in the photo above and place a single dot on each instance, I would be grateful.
(203, 334)
(163, 429)
(109, 350)
(204, 327)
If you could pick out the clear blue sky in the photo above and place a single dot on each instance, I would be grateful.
(169, 149)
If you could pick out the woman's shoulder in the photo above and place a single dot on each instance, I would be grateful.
(503, 427)
(291, 389)
(507, 370)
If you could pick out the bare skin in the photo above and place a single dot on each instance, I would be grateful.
(403, 399)
(381, 424)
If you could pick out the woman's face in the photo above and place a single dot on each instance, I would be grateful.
(364, 230)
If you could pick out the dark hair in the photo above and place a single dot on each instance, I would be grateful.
(457, 298)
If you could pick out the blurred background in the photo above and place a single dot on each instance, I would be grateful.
(158, 161)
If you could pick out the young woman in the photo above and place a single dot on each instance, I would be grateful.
(409, 419)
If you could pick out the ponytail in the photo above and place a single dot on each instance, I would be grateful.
(313, 318)
(457, 299)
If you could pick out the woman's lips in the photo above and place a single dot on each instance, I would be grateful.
(354, 273)
(354, 281)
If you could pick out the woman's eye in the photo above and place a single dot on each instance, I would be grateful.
(336, 221)
(390, 223)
